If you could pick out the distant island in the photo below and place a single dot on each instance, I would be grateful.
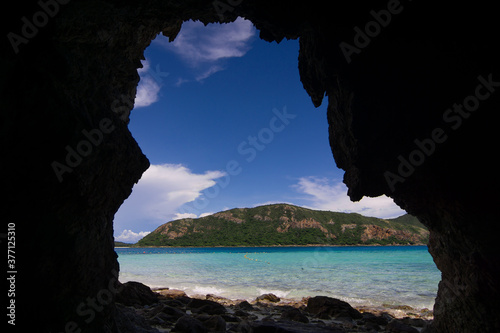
(122, 244)
(286, 225)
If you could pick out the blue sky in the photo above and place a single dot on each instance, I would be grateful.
(225, 122)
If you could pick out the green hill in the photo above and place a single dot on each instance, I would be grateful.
(284, 224)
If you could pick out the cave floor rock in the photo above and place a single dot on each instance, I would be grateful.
(209, 313)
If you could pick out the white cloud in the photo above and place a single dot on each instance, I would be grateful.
(128, 236)
(179, 216)
(206, 214)
(205, 47)
(326, 195)
(197, 43)
(148, 88)
(159, 194)
(146, 67)
(147, 92)
(272, 202)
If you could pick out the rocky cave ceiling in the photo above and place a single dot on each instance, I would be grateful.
(412, 96)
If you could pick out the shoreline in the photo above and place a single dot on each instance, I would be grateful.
(396, 310)
(171, 310)
(260, 246)
(294, 289)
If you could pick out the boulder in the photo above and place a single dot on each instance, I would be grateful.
(245, 306)
(241, 313)
(232, 318)
(206, 306)
(396, 326)
(294, 314)
(188, 324)
(377, 320)
(269, 298)
(136, 294)
(128, 321)
(172, 312)
(417, 322)
(326, 307)
(215, 324)
(270, 326)
(218, 299)
(171, 293)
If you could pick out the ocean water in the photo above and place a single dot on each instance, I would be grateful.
(364, 275)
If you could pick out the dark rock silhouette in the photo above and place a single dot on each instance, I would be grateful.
(412, 98)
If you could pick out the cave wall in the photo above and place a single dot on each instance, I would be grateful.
(67, 88)
(410, 118)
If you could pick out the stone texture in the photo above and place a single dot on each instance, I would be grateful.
(80, 68)
(325, 315)
(396, 326)
(290, 327)
(128, 321)
(267, 298)
(206, 306)
(294, 314)
(136, 294)
(188, 324)
(326, 307)
(171, 293)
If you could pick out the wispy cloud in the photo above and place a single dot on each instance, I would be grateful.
(204, 48)
(128, 236)
(179, 216)
(147, 92)
(157, 197)
(324, 194)
(148, 88)
(211, 70)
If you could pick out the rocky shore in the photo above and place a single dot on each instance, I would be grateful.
(140, 309)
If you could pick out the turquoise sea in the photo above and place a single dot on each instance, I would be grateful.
(360, 275)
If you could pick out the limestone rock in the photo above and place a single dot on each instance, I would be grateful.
(128, 321)
(271, 326)
(206, 306)
(244, 305)
(171, 293)
(268, 298)
(172, 312)
(396, 326)
(189, 324)
(385, 102)
(136, 294)
(327, 307)
(294, 315)
(215, 324)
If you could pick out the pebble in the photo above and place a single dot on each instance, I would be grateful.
(175, 312)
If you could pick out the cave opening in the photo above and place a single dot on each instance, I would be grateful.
(228, 118)
(66, 74)
(225, 122)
